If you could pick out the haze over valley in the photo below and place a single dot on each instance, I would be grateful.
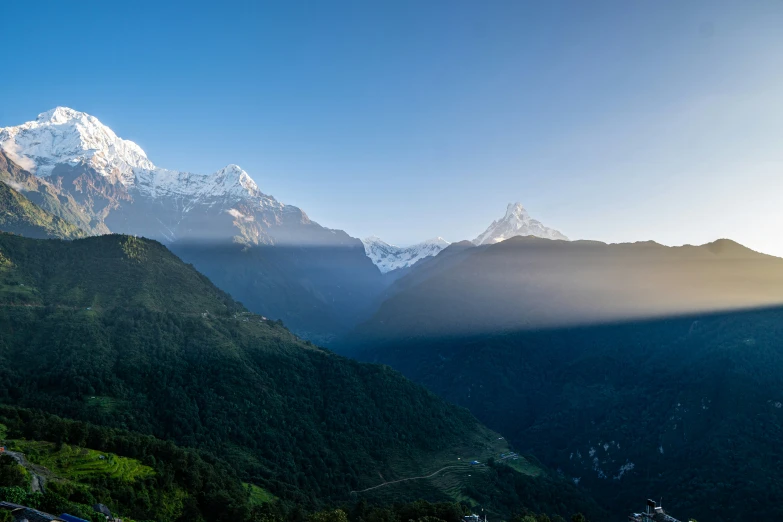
(391, 262)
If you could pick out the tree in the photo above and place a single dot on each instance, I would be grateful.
(12, 474)
(336, 515)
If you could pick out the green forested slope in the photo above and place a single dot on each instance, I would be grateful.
(688, 408)
(75, 465)
(608, 362)
(20, 216)
(117, 331)
(47, 196)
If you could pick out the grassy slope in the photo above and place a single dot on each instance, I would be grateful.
(21, 216)
(47, 197)
(76, 464)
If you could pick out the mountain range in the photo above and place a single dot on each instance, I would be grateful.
(120, 190)
(529, 283)
(271, 256)
(389, 257)
(516, 222)
(630, 368)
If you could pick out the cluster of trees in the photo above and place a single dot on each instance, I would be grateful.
(417, 511)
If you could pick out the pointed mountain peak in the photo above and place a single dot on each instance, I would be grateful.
(515, 210)
(516, 222)
(374, 240)
(232, 175)
(66, 136)
(437, 241)
(62, 115)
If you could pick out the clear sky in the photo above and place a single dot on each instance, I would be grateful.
(616, 121)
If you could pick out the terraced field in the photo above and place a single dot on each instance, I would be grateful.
(259, 495)
(105, 404)
(77, 464)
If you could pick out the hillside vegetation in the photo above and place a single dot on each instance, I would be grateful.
(20, 216)
(634, 369)
(687, 408)
(117, 331)
(49, 199)
(58, 465)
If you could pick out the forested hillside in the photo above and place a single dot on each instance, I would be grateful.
(75, 465)
(19, 215)
(117, 331)
(687, 408)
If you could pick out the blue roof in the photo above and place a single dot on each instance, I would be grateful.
(71, 518)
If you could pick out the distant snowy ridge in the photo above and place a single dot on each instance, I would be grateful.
(389, 257)
(516, 222)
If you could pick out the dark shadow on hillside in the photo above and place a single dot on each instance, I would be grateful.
(530, 283)
(687, 407)
(319, 292)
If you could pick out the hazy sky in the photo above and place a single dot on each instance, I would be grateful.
(617, 121)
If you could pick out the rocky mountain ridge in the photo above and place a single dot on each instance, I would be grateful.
(390, 257)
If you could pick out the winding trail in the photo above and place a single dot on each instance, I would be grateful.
(411, 478)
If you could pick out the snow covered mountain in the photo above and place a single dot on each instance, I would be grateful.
(118, 186)
(516, 222)
(63, 135)
(317, 280)
(389, 257)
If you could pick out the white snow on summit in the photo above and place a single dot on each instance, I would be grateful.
(389, 257)
(516, 222)
(63, 135)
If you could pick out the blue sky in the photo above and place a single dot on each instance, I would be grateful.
(616, 121)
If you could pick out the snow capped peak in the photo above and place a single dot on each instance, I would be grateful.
(389, 257)
(375, 240)
(516, 222)
(64, 135)
(226, 187)
(233, 175)
(60, 115)
(436, 241)
(515, 211)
